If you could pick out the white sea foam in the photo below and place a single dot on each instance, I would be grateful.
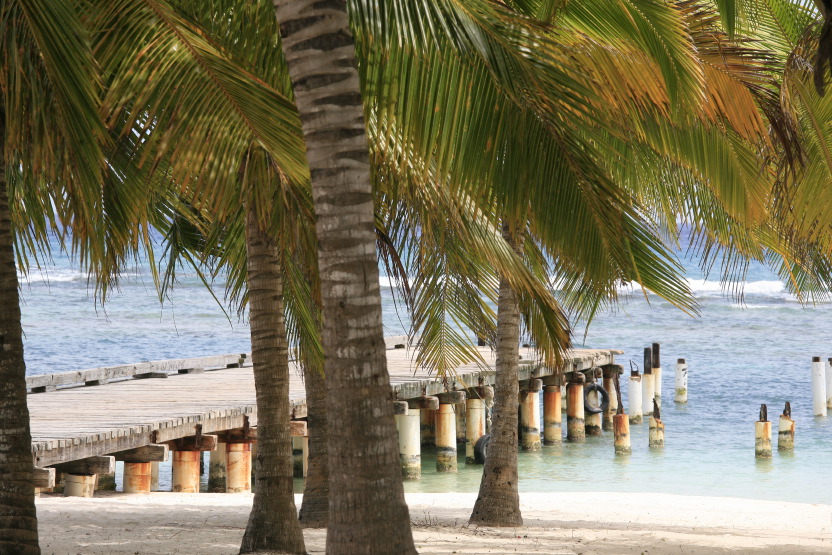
(771, 289)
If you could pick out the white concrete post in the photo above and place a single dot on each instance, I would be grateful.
(410, 443)
(818, 387)
(474, 426)
(634, 398)
(681, 381)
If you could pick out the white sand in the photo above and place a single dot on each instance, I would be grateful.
(575, 523)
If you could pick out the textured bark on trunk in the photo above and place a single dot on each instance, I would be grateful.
(314, 512)
(367, 511)
(18, 520)
(273, 525)
(498, 502)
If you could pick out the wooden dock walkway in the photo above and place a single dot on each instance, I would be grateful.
(71, 421)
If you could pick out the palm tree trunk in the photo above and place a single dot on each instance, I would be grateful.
(314, 512)
(273, 524)
(367, 511)
(18, 519)
(498, 502)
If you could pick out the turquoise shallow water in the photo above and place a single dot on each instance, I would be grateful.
(738, 357)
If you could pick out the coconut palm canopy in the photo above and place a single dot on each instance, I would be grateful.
(578, 168)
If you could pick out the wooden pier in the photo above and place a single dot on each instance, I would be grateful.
(115, 410)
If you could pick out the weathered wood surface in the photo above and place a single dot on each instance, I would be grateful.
(148, 369)
(80, 422)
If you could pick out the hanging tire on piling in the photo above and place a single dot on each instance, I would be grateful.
(481, 449)
(605, 398)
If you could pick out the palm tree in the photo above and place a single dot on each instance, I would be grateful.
(223, 84)
(51, 137)
(367, 512)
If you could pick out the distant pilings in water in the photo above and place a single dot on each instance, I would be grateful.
(762, 435)
(634, 398)
(657, 375)
(681, 381)
(785, 433)
(656, 432)
(620, 425)
(648, 390)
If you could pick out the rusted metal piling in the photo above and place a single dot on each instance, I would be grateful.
(185, 471)
(137, 477)
(530, 414)
(785, 433)
(552, 416)
(647, 384)
(762, 435)
(634, 398)
(238, 467)
(620, 425)
(575, 429)
(657, 375)
(681, 381)
(656, 433)
(446, 430)
(818, 387)
(474, 426)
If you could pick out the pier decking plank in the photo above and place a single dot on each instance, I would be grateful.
(80, 422)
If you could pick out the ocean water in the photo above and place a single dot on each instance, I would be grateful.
(739, 356)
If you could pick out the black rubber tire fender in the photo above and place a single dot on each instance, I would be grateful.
(481, 449)
(605, 399)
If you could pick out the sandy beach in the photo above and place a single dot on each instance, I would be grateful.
(567, 523)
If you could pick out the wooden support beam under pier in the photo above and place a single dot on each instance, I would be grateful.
(155, 452)
(90, 465)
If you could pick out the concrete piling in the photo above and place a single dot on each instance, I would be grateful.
(762, 435)
(530, 415)
(445, 438)
(79, 485)
(154, 476)
(474, 426)
(460, 425)
(818, 387)
(575, 428)
(657, 375)
(620, 424)
(610, 375)
(785, 433)
(238, 467)
(216, 469)
(634, 398)
(428, 427)
(681, 381)
(297, 456)
(408, 423)
(185, 471)
(647, 385)
(137, 477)
(656, 432)
(552, 416)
